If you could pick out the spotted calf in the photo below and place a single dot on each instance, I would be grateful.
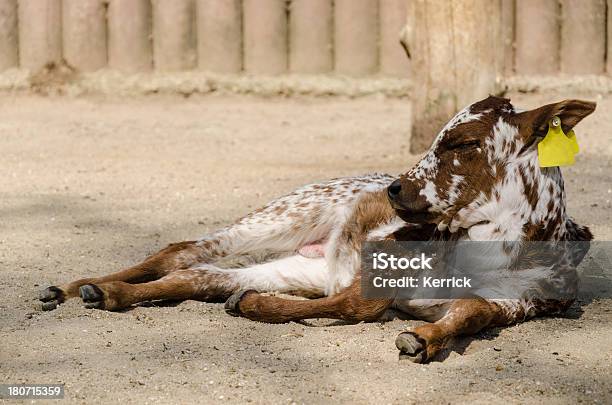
(480, 180)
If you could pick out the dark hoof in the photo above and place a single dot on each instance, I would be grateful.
(49, 305)
(92, 296)
(232, 306)
(51, 297)
(51, 293)
(411, 347)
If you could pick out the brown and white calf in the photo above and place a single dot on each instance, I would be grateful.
(479, 181)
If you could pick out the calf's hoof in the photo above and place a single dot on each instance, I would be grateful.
(411, 347)
(232, 305)
(51, 297)
(92, 296)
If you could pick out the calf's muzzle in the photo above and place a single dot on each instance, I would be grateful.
(405, 195)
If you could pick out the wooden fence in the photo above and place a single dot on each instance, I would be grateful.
(568, 36)
(354, 37)
(270, 37)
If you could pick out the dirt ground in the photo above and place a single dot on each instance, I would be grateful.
(90, 185)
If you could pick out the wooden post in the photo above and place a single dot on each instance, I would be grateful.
(129, 35)
(84, 33)
(583, 36)
(40, 33)
(393, 59)
(173, 35)
(219, 25)
(609, 37)
(9, 55)
(455, 58)
(265, 36)
(537, 37)
(310, 36)
(356, 36)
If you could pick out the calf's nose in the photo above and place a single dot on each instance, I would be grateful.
(407, 195)
(394, 189)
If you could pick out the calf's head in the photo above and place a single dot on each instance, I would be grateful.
(482, 169)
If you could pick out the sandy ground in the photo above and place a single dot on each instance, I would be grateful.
(90, 185)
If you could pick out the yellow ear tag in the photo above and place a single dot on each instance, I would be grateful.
(557, 149)
(572, 137)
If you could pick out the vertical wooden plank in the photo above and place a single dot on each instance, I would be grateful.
(310, 36)
(537, 37)
(40, 33)
(9, 55)
(174, 35)
(84, 34)
(507, 32)
(609, 38)
(356, 36)
(219, 26)
(393, 59)
(129, 35)
(454, 51)
(265, 36)
(583, 36)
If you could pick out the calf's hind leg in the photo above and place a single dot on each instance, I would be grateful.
(175, 256)
(212, 284)
(195, 283)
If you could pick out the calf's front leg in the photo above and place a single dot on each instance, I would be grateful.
(464, 317)
(347, 305)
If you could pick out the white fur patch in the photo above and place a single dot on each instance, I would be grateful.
(430, 193)
(288, 274)
(386, 229)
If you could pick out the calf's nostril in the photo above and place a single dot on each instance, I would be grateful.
(394, 189)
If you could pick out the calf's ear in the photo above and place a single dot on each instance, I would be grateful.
(571, 112)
